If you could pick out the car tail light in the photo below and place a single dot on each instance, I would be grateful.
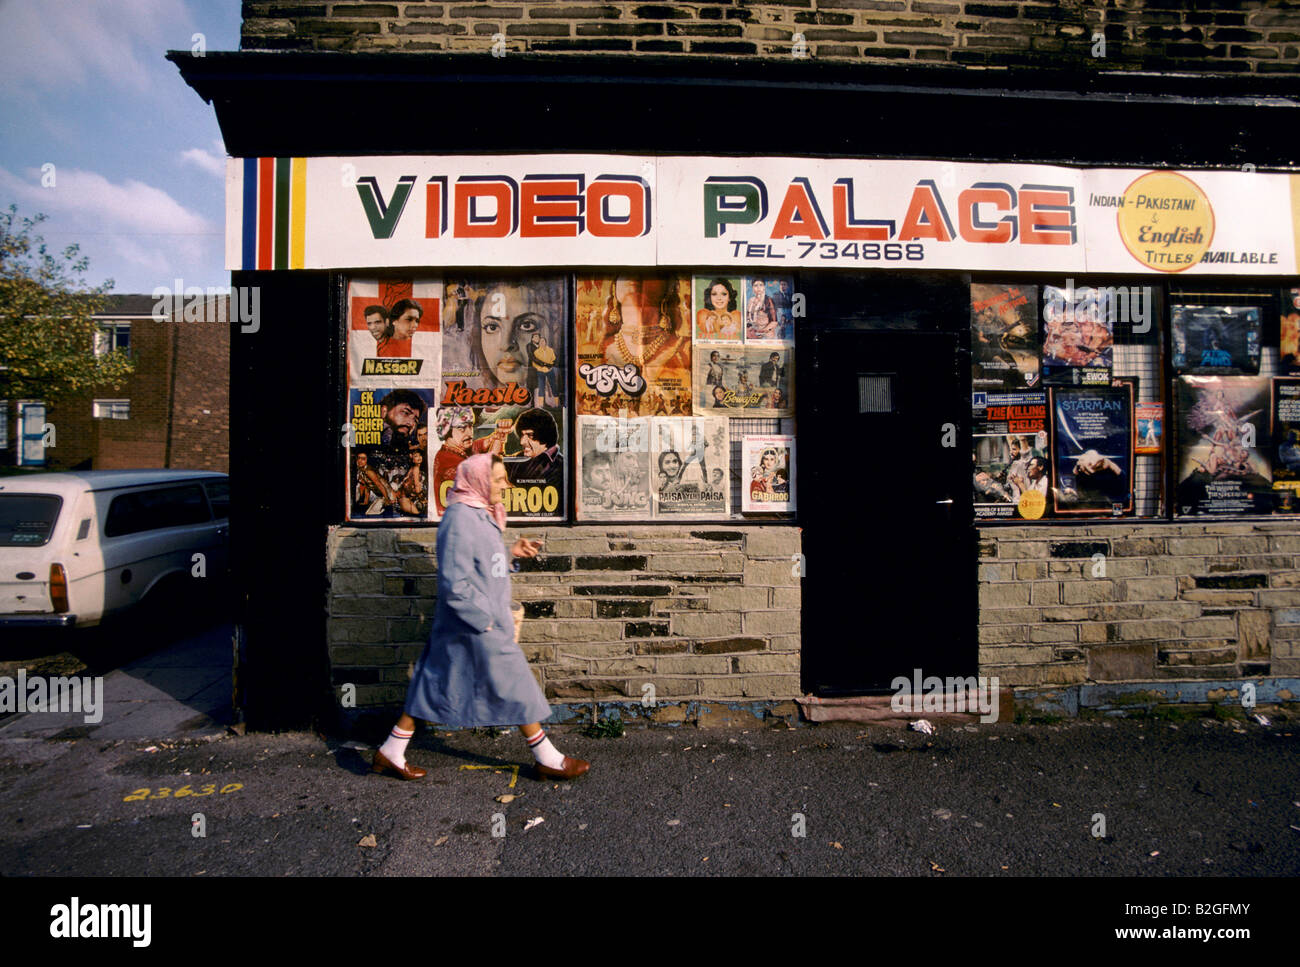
(59, 588)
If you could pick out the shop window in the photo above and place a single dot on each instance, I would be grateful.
(111, 410)
(677, 389)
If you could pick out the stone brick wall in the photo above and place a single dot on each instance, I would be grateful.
(705, 613)
(1224, 36)
(1182, 601)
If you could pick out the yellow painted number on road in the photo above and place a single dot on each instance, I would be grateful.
(165, 792)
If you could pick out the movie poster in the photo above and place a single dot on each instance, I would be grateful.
(1004, 337)
(1289, 324)
(503, 388)
(1094, 450)
(393, 332)
(719, 313)
(692, 467)
(768, 308)
(744, 380)
(634, 345)
(1286, 444)
(766, 474)
(1078, 336)
(613, 468)
(1215, 339)
(388, 460)
(1223, 446)
(1011, 460)
(1149, 418)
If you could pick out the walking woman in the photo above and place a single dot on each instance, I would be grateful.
(472, 672)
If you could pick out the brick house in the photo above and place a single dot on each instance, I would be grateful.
(173, 411)
(922, 152)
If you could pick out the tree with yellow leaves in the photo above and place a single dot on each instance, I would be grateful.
(47, 329)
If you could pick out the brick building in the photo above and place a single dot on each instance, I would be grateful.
(172, 411)
(930, 155)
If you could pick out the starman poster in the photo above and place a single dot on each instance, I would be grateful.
(766, 474)
(388, 458)
(744, 381)
(1004, 337)
(1215, 339)
(692, 468)
(634, 345)
(613, 468)
(1093, 470)
(1223, 446)
(393, 332)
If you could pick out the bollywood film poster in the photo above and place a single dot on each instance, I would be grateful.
(504, 361)
(1004, 338)
(1289, 331)
(1215, 339)
(1078, 336)
(1223, 446)
(1093, 469)
(755, 381)
(718, 308)
(634, 345)
(1012, 464)
(388, 455)
(692, 467)
(393, 332)
(613, 468)
(769, 308)
(766, 474)
(1286, 444)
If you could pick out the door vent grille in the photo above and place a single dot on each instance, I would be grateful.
(876, 392)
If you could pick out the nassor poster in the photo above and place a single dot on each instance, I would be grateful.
(1094, 450)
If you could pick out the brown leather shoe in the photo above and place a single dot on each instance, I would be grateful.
(407, 771)
(569, 769)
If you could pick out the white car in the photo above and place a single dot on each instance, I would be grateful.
(80, 546)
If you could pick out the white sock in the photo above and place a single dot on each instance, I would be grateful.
(545, 753)
(394, 750)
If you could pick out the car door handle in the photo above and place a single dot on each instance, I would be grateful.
(948, 501)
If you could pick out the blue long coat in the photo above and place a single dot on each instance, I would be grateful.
(469, 676)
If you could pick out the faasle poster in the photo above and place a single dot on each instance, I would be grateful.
(1011, 472)
(1078, 336)
(393, 332)
(1223, 446)
(504, 386)
(1093, 470)
(1215, 339)
(388, 458)
(746, 380)
(1004, 338)
(692, 467)
(634, 345)
(766, 474)
(614, 468)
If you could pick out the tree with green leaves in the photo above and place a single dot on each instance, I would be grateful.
(47, 325)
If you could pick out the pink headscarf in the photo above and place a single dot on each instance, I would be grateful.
(474, 487)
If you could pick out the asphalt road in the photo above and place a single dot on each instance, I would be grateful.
(1193, 798)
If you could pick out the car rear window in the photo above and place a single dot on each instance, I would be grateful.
(147, 510)
(27, 520)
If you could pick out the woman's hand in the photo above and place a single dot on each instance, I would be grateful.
(525, 548)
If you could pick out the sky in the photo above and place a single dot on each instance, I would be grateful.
(99, 132)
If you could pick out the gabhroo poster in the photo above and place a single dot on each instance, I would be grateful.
(766, 474)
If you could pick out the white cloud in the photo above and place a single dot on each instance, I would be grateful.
(211, 163)
(57, 46)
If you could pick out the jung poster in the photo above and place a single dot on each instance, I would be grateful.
(613, 468)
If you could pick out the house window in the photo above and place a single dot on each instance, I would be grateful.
(111, 336)
(4, 424)
(112, 410)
